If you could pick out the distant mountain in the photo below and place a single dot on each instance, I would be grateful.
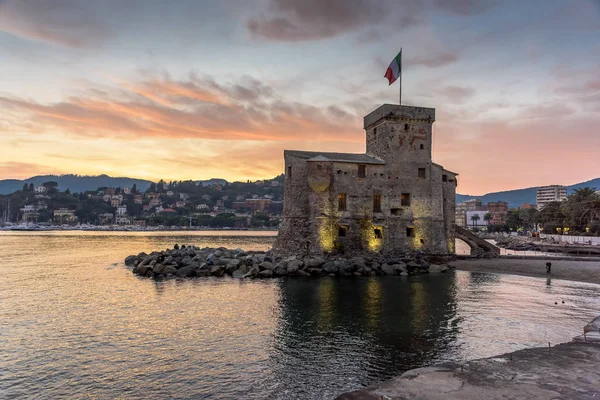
(75, 183)
(517, 197)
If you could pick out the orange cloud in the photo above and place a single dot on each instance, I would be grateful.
(200, 109)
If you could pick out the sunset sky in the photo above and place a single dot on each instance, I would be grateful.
(189, 89)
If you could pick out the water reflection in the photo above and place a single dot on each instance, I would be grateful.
(379, 327)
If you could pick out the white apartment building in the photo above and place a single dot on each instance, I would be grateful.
(548, 194)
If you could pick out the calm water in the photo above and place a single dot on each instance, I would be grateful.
(75, 323)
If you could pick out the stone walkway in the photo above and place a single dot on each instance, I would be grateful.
(566, 371)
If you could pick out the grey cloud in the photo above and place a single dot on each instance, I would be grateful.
(69, 23)
(291, 20)
(434, 60)
(465, 7)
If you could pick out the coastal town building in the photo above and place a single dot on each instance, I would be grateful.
(498, 211)
(64, 216)
(460, 216)
(40, 189)
(122, 220)
(548, 194)
(390, 199)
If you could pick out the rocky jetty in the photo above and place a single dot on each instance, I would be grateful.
(192, 261)
(517, 243)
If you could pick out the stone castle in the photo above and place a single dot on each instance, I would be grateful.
(391, 199)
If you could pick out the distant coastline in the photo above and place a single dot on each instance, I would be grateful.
(124, 228)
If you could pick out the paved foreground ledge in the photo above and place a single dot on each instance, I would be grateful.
(565, 371)
(575, 270)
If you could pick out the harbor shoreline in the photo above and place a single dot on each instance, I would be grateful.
(586, 270)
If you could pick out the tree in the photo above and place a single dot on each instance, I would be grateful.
(67, 191)
(25, 187)
(31, 189)
(134, 189)
(152, 188)
(474, 219)
(580, 208)
(488, 217)
(51, 186)
(551, 216)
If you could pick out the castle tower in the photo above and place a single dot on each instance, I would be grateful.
(400, 133)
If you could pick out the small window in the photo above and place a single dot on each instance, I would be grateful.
(378, 233)
(319, 167)
(362, 171)
(377, 203)
(410, 232)
(342, 202)
(406, 127)
(375, 132)
(289, 173)
(422, 174)
(396, 211)
(444, 178)
(405, 201)
(422, 146)
(342, 230)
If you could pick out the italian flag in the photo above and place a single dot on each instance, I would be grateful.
(395, 69)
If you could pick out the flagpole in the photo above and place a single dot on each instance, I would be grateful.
(400, 77)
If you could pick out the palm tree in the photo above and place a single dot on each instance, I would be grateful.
(474, 218)
(581, 207)
(488, 217)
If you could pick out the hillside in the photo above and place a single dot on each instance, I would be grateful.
(79, 183)
(517, 197)
(75, 183)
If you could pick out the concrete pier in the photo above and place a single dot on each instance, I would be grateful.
(566, 371)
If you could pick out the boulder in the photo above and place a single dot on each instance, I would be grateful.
(329, 267)
(266, 265)
(218, 253)
(437, 268)
(315, 271)
(294, 265)
(281, 271)
(141, 270)
(185, 272)
(400, 267)
(186, 261)
(170, 270)
(158, 268)
(358, 263)
(239, 273)
(202, 272)
(267, 273)
(388, 269)
(217, 270)
(302, 273)
(129, 261)
(316, 262)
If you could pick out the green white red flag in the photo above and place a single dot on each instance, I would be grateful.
(395, 69)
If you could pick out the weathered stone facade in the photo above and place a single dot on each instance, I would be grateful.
(391, 199)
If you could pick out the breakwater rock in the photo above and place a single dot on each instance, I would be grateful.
(192, 261)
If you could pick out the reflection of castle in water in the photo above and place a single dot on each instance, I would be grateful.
(378, 327)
